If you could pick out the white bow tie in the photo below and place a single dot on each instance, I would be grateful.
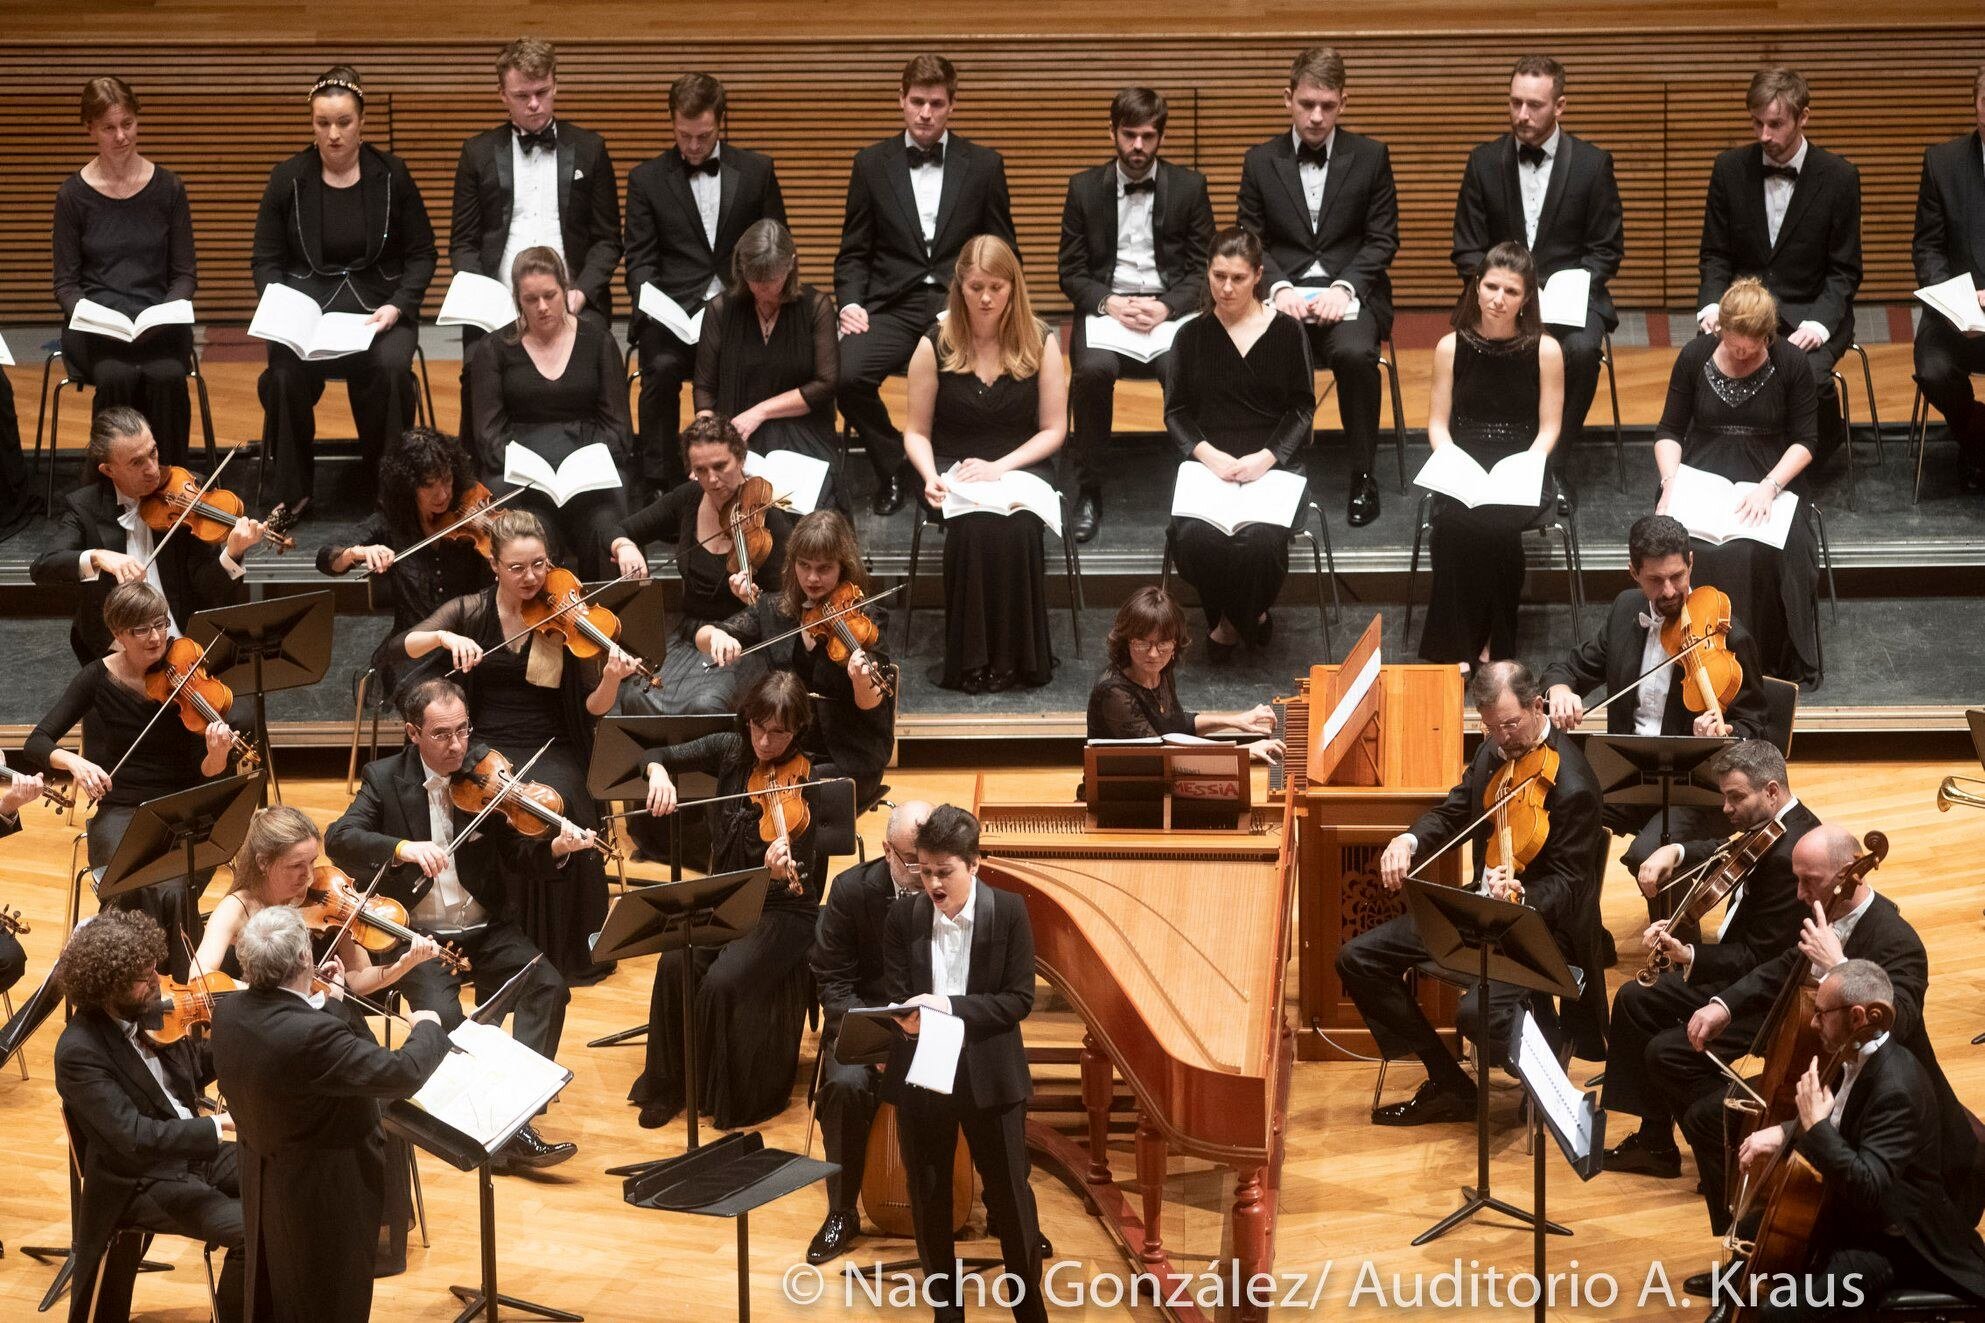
(1647, 621)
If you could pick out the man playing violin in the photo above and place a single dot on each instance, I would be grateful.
(100, 541)
(1761, 919)
(458, 892)
(1560, 881)
(1659, 559)
(148, 1158)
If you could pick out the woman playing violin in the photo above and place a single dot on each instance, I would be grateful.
(523, 691)
(715, 586)
(751, 995)
(855, 711)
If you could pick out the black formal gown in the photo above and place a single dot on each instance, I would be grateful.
(416, 586)
(1478, 554)
(1122, 709)
(752, 995)
(995, 603)
(1240, 403)
(1739, 429)
(738, 365)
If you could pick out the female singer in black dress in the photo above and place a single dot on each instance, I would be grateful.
(344, 223)
(691, 516)
(1137, 696)
(1499, 388)
(420, 480)
(1741, 405)
(854, 724)
(1241, 402)
(520, 696)
(752, 995)
(553, 383)
(123, 238)
(988, 397)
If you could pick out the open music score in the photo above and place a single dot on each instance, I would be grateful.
(1160, 787)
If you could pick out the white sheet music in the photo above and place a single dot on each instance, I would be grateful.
(292, 319)
(1010, 492)
(1566, 296)
(669, 313)
(940, 1038)
(1273, 498)
(94, 318)
(1352, 697)
(475, 300)
(492, 1087)
(797, 477)
(1957, 300)
(1109, 333)
(1564, 1106)
(590, 468)
(1515, 480)
(1707, 506)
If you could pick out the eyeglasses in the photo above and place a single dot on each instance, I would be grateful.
(450, 735)
(1154, 645)
(537, 566)
(156, 629)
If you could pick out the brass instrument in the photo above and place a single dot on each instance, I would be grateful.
(1952, 791)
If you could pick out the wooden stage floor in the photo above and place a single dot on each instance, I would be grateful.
(1352, 1195)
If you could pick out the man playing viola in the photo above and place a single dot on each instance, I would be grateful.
(1559, 881)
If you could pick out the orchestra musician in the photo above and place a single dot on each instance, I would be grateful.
(854, 710)
(1137, 695)
(966, 949)
(148, 1156)
(123, 239)
(1661, 562)
(404, 817)
(343, 222)
(752, 995)
(848, 966)
(1762, 918)
(304, 1086)
(100, 540)
(1560, 881)
(524, 690)
(15, 795)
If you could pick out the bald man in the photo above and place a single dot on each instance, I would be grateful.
(847, 964)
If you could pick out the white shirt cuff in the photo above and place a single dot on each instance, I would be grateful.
(1279, 286)
(1412, 841)
(220, 1131)
(1703, 312)
(83, 565)
(1816, 329)
(1344, 285)
(232, 566)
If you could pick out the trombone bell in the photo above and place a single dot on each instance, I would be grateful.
(1953, 791)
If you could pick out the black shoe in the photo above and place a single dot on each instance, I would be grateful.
(1637, 1156)
(656, 1115)
(528, 1149)
(1263, 632)
(1430, 1104)
(835, 1237)
(889, 497)
(1088, 515)
(1364, 500)
(998, 682)
(1697, 1285)
(1720, 1314)
(1564, 505)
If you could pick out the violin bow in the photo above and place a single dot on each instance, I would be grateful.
(476, 513)
(516, 775)
(1641, 679)
(1465, 832)
(532, 629)
(198, 496)
(830, 616)
(719, 799)
(166, 706)
(1735, 1078)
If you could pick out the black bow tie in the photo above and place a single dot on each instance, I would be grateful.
(1530, 155)
(1318, 156)
(920, 156)
(1131, 186)
(1784, 172)
(545, 139)
(710, 165)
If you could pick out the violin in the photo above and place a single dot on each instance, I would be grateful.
(1716, 878)
(1713, 673)
(12, 922)
(209, 516)
(379, 926)
(561, 613)
(532, 807)
(202, 700)
(782, 812)
(743, 518)
(48, 792)
(467, 520)
(1521, 826)
(188, 1005)
(846, 629)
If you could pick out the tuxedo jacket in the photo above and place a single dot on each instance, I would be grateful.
(1610, 660)
(883, 254)
(1581, 225)
(189, 569)
(1950, 212)
(588, 208)
(1815, 267)
(1357, 229)
(1769, 910)
(399, 247)
(1181, 235)
(999, 993)
(391, 806)
(666, 245)
(847, 959)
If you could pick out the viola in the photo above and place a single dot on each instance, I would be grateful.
(1718, 877)
(1702, 628)
(467, 520)
(743, 518)
(531, 807)
(209, 516)
(188, 1005)
(1520, 824)
(561, 613)
(202, 700)
(777, 789)
(333, 902)
(12, 922)
(48, 792)
(845, 629)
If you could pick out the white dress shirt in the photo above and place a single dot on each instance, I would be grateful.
(927, 184)
(708, 190)
(138, 544)
(533, 204)
(1535, 182)
(447, 903)
(1777, 198)
(1653, 700)
(1843, 928)
(1137, 240)
(1852, 1072)
(951, 948)
(152, 1063)
(1314, 178)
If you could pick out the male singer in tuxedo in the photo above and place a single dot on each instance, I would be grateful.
(100, 542)
(149, 1160)
(848, 965)
(1789, 213)
(403, 814)
(966, 949)
(535, 180)
(685, 211)
(1555, 194)
(1134, 239)
(1322, 202)
(1761, 920)
(913, 200)
(1950, 241)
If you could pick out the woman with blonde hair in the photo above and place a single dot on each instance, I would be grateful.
(1741, 405)
(989, 397)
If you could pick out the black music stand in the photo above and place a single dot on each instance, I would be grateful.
(1576, 1121)
(730, 1178)
(644, 625)
(182, 835)
(700, 914)
(1486, 940)
(261, 647)
(1658, 771)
